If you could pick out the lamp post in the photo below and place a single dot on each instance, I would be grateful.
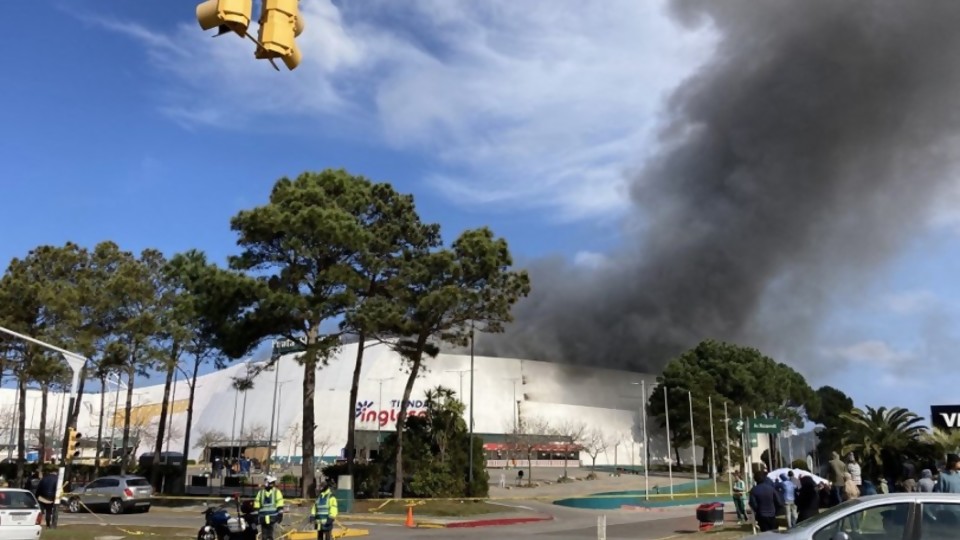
(461, 372)
(113, 423)
(173, 399)
(273, 411)
(379, 404)
(646, 446)
(275, 419)
(471, 405)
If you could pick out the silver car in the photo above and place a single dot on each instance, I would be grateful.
(896, 516)
(115, 494)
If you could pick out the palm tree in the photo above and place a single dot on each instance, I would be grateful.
(946, 442)
(882, 437)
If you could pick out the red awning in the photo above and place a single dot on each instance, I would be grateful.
(543, 447)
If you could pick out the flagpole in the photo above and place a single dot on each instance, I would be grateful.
(693, 448)
(713, 447)
(726, 431)
(646, 442)
(745, 446)
(666, 412)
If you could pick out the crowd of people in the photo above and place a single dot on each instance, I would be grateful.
(800, 496)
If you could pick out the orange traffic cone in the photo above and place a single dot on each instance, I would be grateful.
(409, 522)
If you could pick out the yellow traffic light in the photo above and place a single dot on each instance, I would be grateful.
(73, 440)
(280, 23)
(228, 15)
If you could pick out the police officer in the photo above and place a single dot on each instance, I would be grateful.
(269, 506)
(324, 511)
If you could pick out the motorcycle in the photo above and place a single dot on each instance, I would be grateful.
(221, 524)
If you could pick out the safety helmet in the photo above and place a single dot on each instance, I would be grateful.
(269, 480)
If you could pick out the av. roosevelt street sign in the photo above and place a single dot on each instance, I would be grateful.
(765, 425)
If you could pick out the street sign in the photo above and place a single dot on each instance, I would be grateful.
(737, 425)
(765, 425)
(754, 440)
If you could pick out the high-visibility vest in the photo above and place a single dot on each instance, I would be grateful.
(324, 508)
(268, 502)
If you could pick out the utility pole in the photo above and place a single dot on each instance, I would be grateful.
(76, 363)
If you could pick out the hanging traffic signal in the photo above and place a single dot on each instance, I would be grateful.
(73, 441)
(280, 23)
(227, 15)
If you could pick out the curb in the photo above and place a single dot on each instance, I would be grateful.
(497, 522)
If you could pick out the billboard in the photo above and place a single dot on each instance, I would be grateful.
(945, 417)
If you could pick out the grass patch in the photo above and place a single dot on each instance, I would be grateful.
(444, 508)
(91, 532)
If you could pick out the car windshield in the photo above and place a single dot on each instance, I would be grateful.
(17, 499)
(828, 515)
(137, 482)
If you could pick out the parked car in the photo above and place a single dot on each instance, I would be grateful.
(896, 516)
(20, 515)
(114, 494)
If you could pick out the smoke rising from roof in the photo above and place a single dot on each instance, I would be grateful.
(802, 156)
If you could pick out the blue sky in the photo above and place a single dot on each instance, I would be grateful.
(124, 121)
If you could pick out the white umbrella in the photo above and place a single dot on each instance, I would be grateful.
(799, 473)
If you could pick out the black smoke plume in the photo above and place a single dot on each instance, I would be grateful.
(797, 161)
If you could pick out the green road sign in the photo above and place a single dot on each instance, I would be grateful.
(737, 425)
(754, 440)
(765, 425)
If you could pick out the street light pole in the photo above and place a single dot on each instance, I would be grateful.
(113, 423)
(379, 405)
(471, 406)
(273, 412)
(76, 363)
(173, 399)
(461, 372)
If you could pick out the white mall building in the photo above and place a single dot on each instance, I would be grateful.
(505, 389)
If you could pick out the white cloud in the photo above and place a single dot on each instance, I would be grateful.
(911, 302)
(542, 104)
(871, 352)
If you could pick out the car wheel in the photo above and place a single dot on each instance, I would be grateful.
(116, 506)
(74, 505)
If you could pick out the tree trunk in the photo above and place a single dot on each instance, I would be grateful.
(352, 409)
(127, 410)
(676, 452)
(42, 437)
(402, 416)
(103, 404)
(162, 427)
(186, 434)
(308, 468)
(21, 428)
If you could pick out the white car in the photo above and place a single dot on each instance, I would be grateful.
(897, 516)
(20, 515)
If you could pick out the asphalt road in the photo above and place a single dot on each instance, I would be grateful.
(568, 524)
